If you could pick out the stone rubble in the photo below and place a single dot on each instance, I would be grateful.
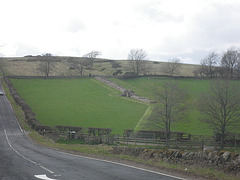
(126, 92)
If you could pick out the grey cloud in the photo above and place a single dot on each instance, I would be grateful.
(24, 49)
(161, 16)
(219, 25)
(75, 25)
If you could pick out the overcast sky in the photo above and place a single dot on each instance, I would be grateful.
(165, 29)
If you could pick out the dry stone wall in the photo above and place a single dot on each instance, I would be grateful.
(29, 115)
(223, 160)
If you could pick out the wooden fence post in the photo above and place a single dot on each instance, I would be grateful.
(202, 144)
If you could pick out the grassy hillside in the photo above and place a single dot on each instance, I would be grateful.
(191, 124)
(27, 66)
(81, 102)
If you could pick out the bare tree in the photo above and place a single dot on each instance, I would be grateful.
(80, 64)
(237, 68)
(199, 71)
(93, 54)
(230, 59)
(172, 67)
(47, 64)
(171, 106)
(137, 60)
(221, 106)
(209, 63)
(91, 57)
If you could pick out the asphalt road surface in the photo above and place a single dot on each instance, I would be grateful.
(20, 159)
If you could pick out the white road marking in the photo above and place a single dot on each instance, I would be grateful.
(46, 169)
(44, 177)
(134, 167)
(14, 115)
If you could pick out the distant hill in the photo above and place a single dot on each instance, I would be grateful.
(27, 66)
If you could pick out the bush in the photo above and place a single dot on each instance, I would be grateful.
(130, 75)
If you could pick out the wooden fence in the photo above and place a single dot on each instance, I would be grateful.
(195, 142)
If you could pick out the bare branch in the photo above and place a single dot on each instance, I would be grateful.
(221, 106)
(172, 67)
(137, 60)
(171, 106)
(93, 54)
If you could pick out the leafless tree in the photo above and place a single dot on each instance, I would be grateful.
(230, 60)
(91, 57)
(171, 106)
(47, 64)
(199, 71)
(80, 64)
(93, 54)
(221, 106)
(172, 67)
(137, 60)
(209, 63)
(237, 68)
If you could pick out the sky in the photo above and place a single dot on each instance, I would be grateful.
(185, 29)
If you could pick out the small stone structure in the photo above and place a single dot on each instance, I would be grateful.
(125, 92)
(128, 93)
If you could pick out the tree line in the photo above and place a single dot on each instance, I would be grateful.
(137, 64)
(47, 63)
(219, 106)
(215, 65)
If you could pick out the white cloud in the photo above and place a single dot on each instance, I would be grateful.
(75, 25)
(164, 28)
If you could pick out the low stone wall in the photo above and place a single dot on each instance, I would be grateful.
(29, 115)
(223, 160)
(44, 77)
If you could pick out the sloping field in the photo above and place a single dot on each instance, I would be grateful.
(27, 66)
(81, 102)
(191, 124)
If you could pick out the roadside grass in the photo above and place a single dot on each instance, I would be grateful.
(146, 86)
(79, 102)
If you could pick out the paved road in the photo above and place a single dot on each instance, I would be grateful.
(20, 159)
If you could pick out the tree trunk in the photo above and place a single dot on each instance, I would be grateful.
(222, 139)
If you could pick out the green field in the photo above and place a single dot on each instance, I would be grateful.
(191, 124)
(87, 102)
(81, 102)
